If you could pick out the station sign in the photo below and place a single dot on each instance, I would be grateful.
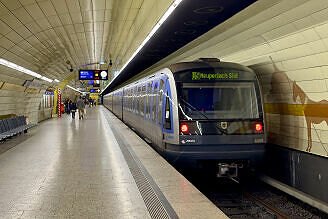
(95, 83)
(94, 91)
(93, 74)
(94, 95)
(48, 93)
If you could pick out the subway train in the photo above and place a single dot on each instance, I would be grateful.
(204, 113)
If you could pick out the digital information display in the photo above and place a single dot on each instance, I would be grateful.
(203, 75)
(199, 75)
(86, 75)
(93, 75)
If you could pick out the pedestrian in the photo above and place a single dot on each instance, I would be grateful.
(73, 109)
(69, 106)
(80, 106)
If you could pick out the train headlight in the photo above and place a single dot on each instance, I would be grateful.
(258, 127)
(184, 128)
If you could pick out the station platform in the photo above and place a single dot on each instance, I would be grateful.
(92, 168)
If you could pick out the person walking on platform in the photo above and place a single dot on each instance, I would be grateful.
(80, 106)
(73, 109)
(90, 102)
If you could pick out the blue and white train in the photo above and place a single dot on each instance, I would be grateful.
(199, 113)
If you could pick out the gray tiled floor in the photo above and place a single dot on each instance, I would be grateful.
(68, 168)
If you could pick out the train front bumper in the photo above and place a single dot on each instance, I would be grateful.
(191, 155)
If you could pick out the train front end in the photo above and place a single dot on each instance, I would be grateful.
(221, 120)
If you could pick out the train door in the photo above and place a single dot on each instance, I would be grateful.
(167, 115)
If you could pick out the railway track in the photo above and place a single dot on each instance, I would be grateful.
(269, 207)
(252, 199)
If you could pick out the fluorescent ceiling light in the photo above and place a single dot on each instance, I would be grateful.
(169, 11)
(153, 31)
(73, 88)
(22, 69)
(56, 80)
(46, 79)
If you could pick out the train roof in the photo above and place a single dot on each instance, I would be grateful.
(206, 63)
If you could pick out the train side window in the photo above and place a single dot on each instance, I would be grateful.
(167, 113)
(126, 98)
(138, 100)
(160, 102)
(142, 100)
(135, 99)
(155, 95)
(131, 99)
(149, 91)
(126, 102)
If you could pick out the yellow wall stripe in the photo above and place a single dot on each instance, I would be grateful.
(313, 110)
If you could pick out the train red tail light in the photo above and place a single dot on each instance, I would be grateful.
(258, 127)
(184, 128)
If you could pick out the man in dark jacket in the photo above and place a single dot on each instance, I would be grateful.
(73, 109)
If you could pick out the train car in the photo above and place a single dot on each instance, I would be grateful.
(199, 113)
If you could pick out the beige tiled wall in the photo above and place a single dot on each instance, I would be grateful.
(17, 99)
(20, 103)
(294, 49)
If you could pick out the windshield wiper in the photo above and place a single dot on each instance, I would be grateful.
(194, 108)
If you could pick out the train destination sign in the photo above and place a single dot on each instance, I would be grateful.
(203, 75)
(200, 76)
(93, 75)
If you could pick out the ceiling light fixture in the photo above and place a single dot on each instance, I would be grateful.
(22, 69)
(56, 80)
(168, 12)
(74, 89)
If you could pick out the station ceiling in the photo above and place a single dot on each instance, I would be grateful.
(52, 36)
(191, 19)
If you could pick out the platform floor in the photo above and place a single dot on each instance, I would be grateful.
(68, 168)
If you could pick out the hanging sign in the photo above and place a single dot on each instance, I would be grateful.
(93, 75)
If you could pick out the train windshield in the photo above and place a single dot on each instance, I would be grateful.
(218, 100)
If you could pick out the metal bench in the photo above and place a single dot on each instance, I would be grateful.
(13, 126)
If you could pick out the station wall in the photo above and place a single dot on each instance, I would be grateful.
(291, 62)
(20, 100)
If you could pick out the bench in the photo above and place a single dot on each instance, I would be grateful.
(13, 126)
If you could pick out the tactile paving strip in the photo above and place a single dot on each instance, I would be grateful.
(155, 201)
